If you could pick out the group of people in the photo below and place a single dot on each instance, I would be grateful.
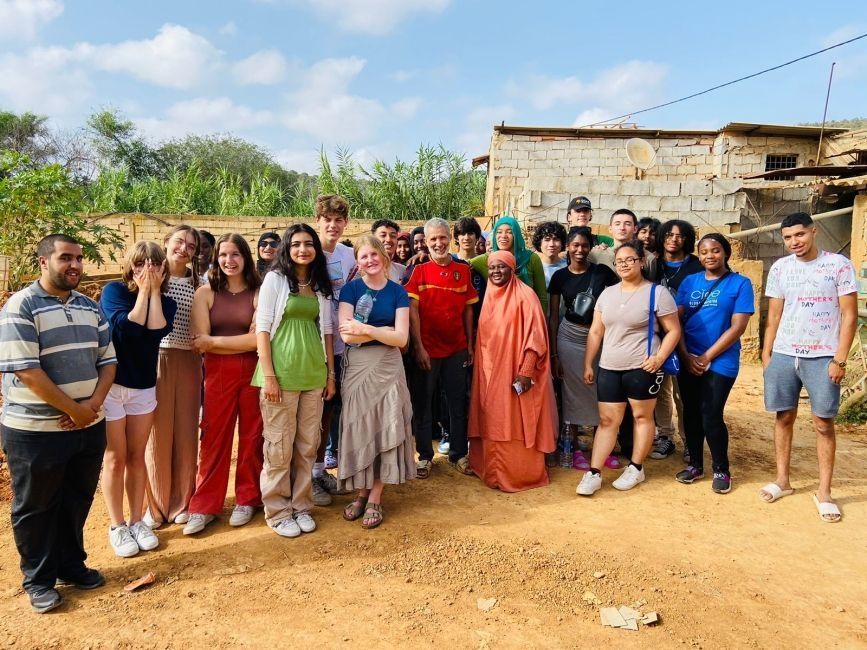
(325, 356)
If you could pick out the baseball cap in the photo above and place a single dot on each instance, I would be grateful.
(579, 203)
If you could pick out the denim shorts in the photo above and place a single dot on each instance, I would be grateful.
(784, 377)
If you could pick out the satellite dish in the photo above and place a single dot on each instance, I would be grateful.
(640, 153)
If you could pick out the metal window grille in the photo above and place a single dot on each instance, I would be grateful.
(781, 161)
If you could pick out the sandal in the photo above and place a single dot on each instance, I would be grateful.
(355, 509)
(423, 468)
(373, 514)
(462, 464)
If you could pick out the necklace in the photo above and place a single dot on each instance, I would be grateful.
(304, 286)
(623, 302)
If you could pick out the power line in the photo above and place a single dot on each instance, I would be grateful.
(728, 83)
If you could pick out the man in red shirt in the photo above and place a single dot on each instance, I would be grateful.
(441, 326)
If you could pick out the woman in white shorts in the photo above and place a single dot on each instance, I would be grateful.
(140, 316)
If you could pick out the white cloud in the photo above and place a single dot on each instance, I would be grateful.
(375, 17)
(405, 109)
(204, 116)
(402, 76)
(229, 29)
(299, 160)
(480, 121)
(175, 57)
(323, 107)
(266, 68)
(21, 19)
(629, 86)
(43, 81)
(843, 33)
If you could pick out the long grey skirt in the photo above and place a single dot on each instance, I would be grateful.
(580, 405)
(376, 421)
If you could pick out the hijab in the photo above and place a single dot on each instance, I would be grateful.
(522, 256)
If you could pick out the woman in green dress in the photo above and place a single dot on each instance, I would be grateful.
(507, 236)
(296, 373)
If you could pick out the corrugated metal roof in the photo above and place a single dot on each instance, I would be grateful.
(732, 127)
(779, 129)
(821, 170)
(852, 181)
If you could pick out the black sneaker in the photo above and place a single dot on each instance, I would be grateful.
(662, 448)
(44, 599)
(689, 475)
(722, 482)
(89, 579)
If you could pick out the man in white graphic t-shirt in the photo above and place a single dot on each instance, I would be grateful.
(332, 215)
(812, 317)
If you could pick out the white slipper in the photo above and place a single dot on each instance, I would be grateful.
(775, 492)
(828, 510)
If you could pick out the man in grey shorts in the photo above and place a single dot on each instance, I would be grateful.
(812, 316)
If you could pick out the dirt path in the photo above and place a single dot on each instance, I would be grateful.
(722, 571)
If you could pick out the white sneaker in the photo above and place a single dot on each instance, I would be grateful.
(305, 522)
(150, 522)
(629, 479)
(241, 515)
(197, 522)
(122, 541)
(182, 518)
(287, 528)
(590, 484)
(144, 536)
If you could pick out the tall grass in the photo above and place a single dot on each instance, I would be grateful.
(436, 183)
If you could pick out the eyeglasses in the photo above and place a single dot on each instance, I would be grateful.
(674, 235)
(270, 244)
(626, 261)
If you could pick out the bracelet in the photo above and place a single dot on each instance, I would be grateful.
(272, 376)
(331, 373)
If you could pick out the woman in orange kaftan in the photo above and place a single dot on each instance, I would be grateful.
(510, 433)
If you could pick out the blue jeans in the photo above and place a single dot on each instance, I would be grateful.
(54, 477)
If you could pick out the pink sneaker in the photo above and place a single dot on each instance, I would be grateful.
(579, 462)
(612, 462)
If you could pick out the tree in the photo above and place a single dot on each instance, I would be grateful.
(36, 201)
(27, 134)
(119, 145)
(224, 153)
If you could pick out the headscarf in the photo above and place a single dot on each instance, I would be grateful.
(403, 236)
(511, 322)
(519, 248)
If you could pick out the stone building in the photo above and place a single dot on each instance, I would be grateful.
(698, 175)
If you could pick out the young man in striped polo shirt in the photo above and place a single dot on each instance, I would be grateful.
(58, 365)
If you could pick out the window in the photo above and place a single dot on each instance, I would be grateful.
(781, 161)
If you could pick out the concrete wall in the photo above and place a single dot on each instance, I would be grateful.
(696, 178)
(137, 226)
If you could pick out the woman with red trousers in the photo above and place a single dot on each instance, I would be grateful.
(223, 330)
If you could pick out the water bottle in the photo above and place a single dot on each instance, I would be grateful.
(566, 449)
(363, 307)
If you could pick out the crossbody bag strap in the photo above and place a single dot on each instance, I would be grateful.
(651, 318)
(695, 310)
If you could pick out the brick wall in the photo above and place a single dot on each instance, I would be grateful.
(137, 226)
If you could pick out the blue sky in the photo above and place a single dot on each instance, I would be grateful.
(383, 76)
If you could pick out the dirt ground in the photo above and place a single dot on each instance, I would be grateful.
(722, 571)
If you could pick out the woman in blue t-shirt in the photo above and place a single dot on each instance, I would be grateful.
(376, 445)
(715, 307)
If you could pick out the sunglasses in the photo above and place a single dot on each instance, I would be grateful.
(269, 244)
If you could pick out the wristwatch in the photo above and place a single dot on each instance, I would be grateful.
(839, 364)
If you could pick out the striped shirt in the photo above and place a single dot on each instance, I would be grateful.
(69, 340)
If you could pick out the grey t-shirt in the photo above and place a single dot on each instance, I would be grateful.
(625, 316)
